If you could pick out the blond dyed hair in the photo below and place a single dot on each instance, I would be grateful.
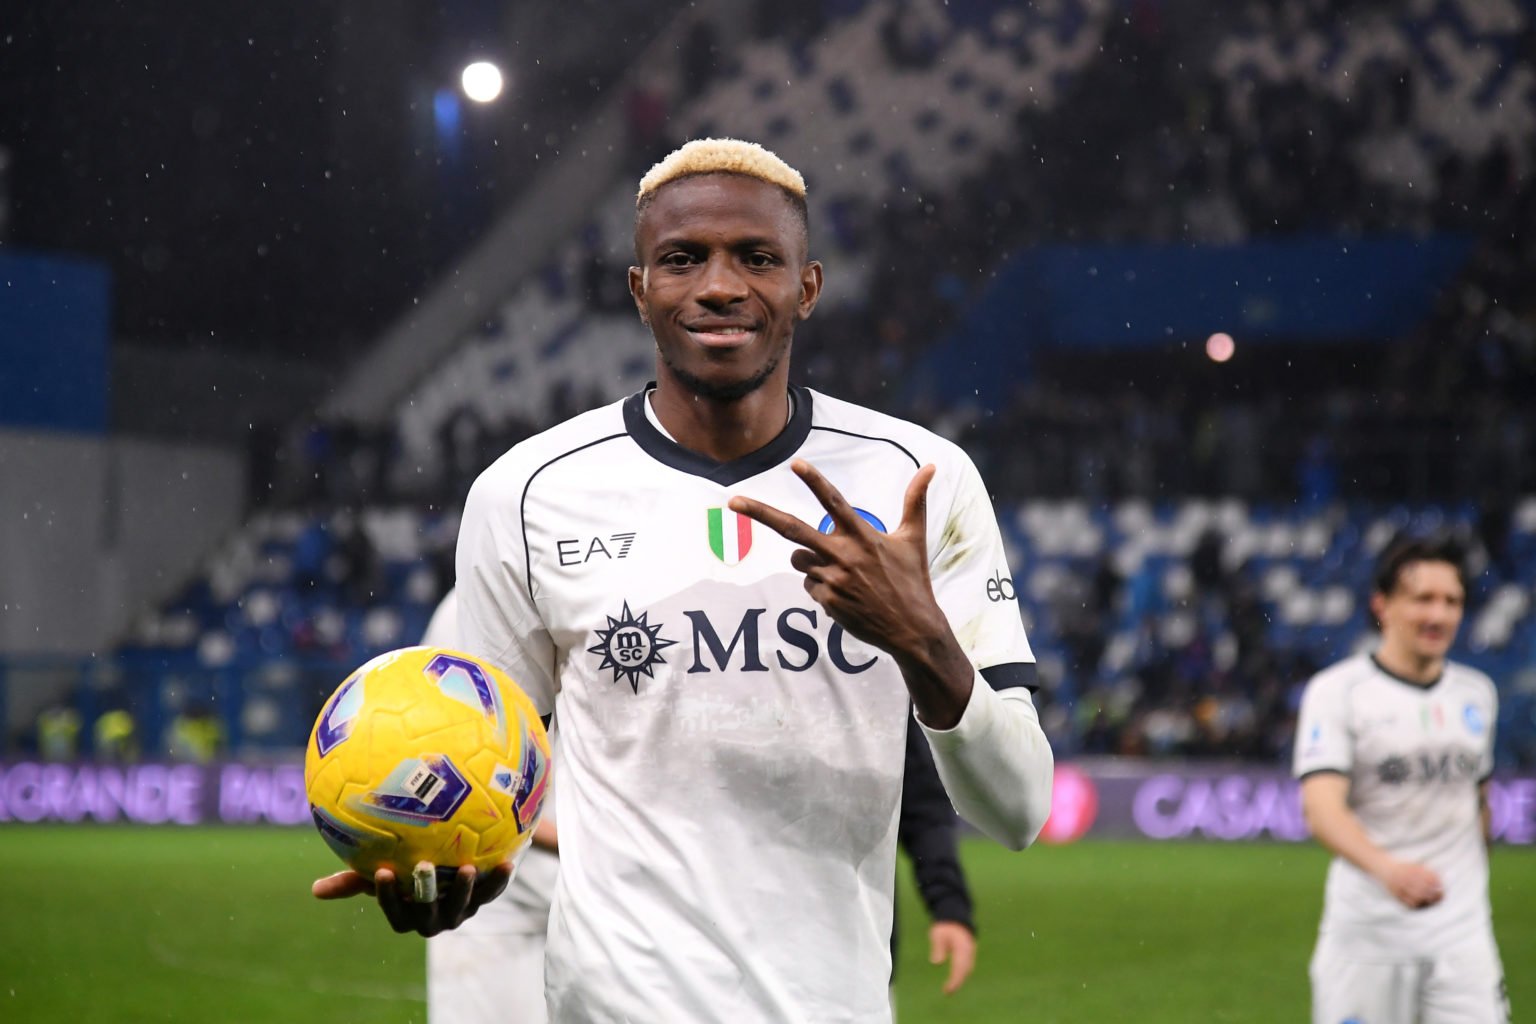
(721, 156)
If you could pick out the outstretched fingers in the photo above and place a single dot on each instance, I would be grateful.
(782, 523)
(843, 515)
(914, 507)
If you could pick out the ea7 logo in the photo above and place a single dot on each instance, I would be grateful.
(578, 552)
(1000, 588)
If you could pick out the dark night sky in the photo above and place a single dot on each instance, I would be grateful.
(259, 175)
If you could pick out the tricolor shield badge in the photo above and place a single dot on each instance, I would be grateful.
(730, 535)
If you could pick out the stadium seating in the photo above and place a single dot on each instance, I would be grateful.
(911, 141)
(1142, 617)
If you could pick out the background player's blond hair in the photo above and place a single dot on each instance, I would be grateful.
(721, 156)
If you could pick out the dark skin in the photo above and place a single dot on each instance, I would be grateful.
(722, 282)
(876, 586)
(723, 279)
(468, 892)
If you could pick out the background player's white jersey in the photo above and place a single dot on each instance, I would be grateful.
(1414, 756)
(730, 760)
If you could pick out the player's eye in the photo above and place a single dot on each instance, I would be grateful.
(762, 260)
(677, 259)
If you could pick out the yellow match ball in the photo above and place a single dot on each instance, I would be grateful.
(426, 754)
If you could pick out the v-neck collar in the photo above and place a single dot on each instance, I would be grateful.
(1421, 687)
(669, 453)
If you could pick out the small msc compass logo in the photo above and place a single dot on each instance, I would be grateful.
(630, 646)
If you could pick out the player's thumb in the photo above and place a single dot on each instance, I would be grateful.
(340, 886)
(914, 512)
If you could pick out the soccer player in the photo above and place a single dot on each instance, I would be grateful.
(1394, 750)
(490, 970)
(732, 593)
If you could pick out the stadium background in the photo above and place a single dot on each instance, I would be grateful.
(1220, 300)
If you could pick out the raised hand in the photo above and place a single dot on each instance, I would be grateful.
(877, 587)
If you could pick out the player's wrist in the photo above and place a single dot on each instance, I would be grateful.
(939, 676)
(1384, 868)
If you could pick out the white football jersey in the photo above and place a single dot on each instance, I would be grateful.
(1414, 756)
(730, 759)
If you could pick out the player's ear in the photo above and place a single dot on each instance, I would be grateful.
(637, 292)
(810, 288)
(1378, 605)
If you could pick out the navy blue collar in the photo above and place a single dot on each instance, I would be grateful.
(1404, 679)
(669, 453)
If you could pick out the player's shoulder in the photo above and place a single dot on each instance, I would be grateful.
(850, 419)
(1338, 679)
(515, 467)
(1466, 676)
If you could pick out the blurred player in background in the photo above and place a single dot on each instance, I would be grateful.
(1394, 750)
(490, 970)
(733, 681)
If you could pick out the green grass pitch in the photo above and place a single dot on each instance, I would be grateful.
(121, 924)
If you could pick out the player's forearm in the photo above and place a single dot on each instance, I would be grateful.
(997, 765)
(1339, 831)
(938, 673)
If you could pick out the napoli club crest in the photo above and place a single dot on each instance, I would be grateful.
(631, 647)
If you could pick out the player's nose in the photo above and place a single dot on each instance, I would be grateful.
(720, 284)
(1440, 617)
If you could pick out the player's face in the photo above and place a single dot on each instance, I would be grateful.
(723, 281)
(1421, 615)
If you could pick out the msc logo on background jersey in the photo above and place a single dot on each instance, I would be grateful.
(827, 525)
(630, 646)
(1394, 771)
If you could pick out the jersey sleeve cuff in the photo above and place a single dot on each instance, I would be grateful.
(976, 721)
(1304, 775)
(1012, 674)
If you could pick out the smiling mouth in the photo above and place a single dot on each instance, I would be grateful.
(723, 336)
